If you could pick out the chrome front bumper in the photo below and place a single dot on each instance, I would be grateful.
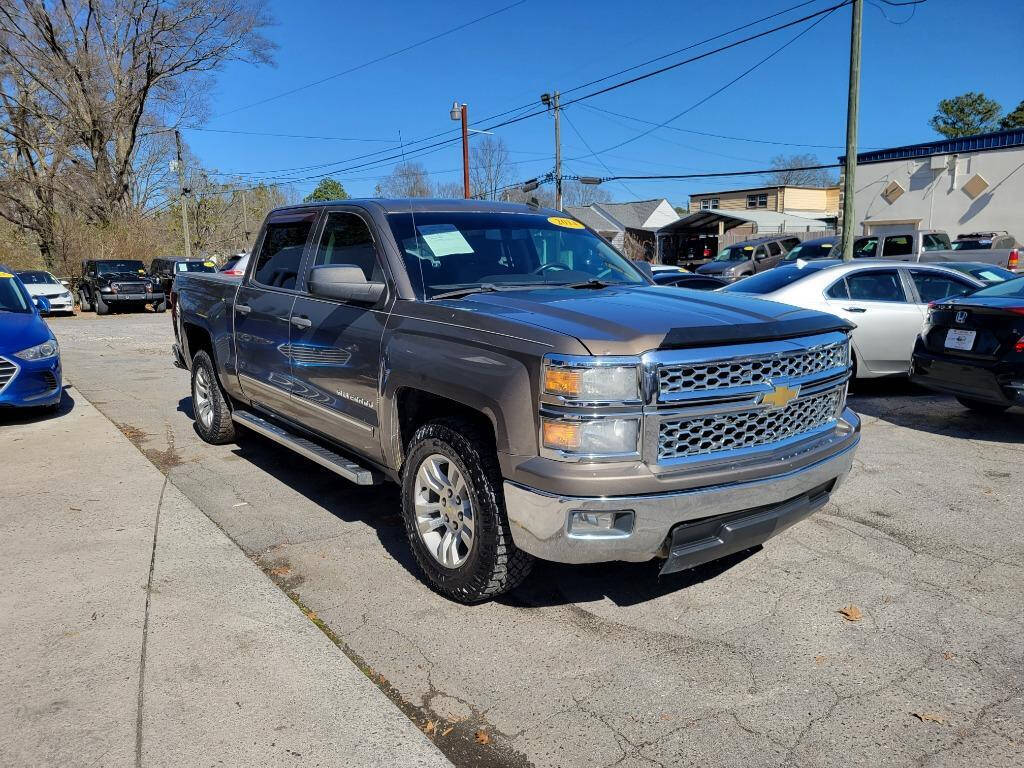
(540, 521)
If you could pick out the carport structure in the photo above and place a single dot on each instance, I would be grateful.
(696, 238)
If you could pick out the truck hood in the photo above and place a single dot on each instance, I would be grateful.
(629, 320)
(718, 267)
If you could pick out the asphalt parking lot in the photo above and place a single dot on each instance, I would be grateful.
(747, 662)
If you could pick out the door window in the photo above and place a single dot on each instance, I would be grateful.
(897, 245)
(760, 252)
(281, 253)
(935, 242)
(933, 286)
(347, 240)
(838, 290)
(876, 285)
(774, 249)
(790, 243)
(864, 247)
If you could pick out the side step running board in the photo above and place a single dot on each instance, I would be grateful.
(339, 465)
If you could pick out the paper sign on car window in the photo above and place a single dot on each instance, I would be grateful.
(6, 276)
(444, 239)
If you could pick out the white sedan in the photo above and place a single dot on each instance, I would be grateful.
(41, 283)
(887, 300)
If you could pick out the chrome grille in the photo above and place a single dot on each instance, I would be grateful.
(690, 436)
(7, 371)
(311, 354)
(704, 376)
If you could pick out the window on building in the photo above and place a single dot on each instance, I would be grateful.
(757, 200)
(709, 204)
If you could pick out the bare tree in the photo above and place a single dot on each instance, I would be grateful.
(406, 180)
(449, 189)
(82, 84)
(788, 173)
(489, 168)
(574, 193)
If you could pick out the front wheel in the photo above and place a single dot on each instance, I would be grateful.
(212, 412)
(160, 306)
(980, 406)
(454, 514)
(102, 308)
(83, 302)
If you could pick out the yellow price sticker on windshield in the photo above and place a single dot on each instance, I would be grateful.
(142, 271)
(208, 264)
(748, 247)
(6, 276)
(559, 221)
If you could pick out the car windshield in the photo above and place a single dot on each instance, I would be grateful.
(770, 280)
(120, 267)
(456, 251)
(38, 277)
(1011, 289)
(195, 266)
(12, 295)
(810, 251)
(735, 253)
(971, 245)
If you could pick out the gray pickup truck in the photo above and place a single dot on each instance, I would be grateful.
(531, 390)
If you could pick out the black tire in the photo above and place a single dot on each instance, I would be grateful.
(220, 428)
(980, 406)
(494, 565)
(102, 308)
(160, 306)
(83, 302)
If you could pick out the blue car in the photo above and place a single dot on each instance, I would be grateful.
(30, 375)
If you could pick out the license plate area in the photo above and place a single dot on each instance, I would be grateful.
(958, 338)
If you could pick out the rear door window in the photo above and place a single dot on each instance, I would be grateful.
(281, 253)
(774, 249)
(933, 286)
(897, 245)
(876, 285)
(864, 247)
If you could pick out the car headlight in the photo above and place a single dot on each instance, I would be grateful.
(591, 437)
(39, 351)
(106, 289)
(149, 287)
(591, 379)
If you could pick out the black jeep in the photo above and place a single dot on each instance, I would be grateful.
(120, 284)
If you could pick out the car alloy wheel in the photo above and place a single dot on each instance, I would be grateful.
(444, 511)
(202, 399)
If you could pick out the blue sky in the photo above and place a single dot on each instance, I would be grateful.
(945, 47)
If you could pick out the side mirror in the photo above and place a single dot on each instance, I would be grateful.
(42, 303)
(345, 282)
(65, 283)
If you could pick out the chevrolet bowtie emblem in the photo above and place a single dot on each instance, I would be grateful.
(780, 397)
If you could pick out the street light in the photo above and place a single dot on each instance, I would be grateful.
(460, 112)
(592, 180)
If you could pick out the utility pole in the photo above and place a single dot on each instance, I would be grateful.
(852, 108)
(551, 101)
(245, 219)
(183, 197)
(461, 112)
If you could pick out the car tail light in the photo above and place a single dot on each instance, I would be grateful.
(1014, 261)
(235, 272)
(1020, 345)
(1016, 310)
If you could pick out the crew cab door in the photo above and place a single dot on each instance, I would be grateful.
(887, 317)
(263, 307)
(335, 344)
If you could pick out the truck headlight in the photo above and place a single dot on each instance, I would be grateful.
(592, 379)
(39, 351)
(591, 437)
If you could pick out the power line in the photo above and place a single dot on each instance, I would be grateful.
(280, 135)
(372, 61)
(595, 155)
(719, 174)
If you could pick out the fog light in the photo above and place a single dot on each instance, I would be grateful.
(608, 524)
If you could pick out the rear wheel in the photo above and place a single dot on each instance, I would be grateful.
(212, 411)
(454, 514)
(981, 406)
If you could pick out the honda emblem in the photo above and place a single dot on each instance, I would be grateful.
(961, 317)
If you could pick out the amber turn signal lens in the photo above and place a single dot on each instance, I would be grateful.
(562, 436)
(562, 381)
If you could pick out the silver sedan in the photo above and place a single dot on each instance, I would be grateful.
(887, 300)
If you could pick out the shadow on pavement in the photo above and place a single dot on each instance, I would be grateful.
(31, 415)
(900, 402)
(625, 584)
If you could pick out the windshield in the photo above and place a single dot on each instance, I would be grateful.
(462, 250)
(810, 251)
(770, 280)
(37, 278)
(735, 253)
(195, 266)
(120, 267)
(1011, 289)
(971, 245)
(12, 295)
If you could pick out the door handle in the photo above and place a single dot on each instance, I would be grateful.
(243, 309)
(854, 309)
(301, 322)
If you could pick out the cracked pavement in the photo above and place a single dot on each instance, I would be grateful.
(745, 662)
